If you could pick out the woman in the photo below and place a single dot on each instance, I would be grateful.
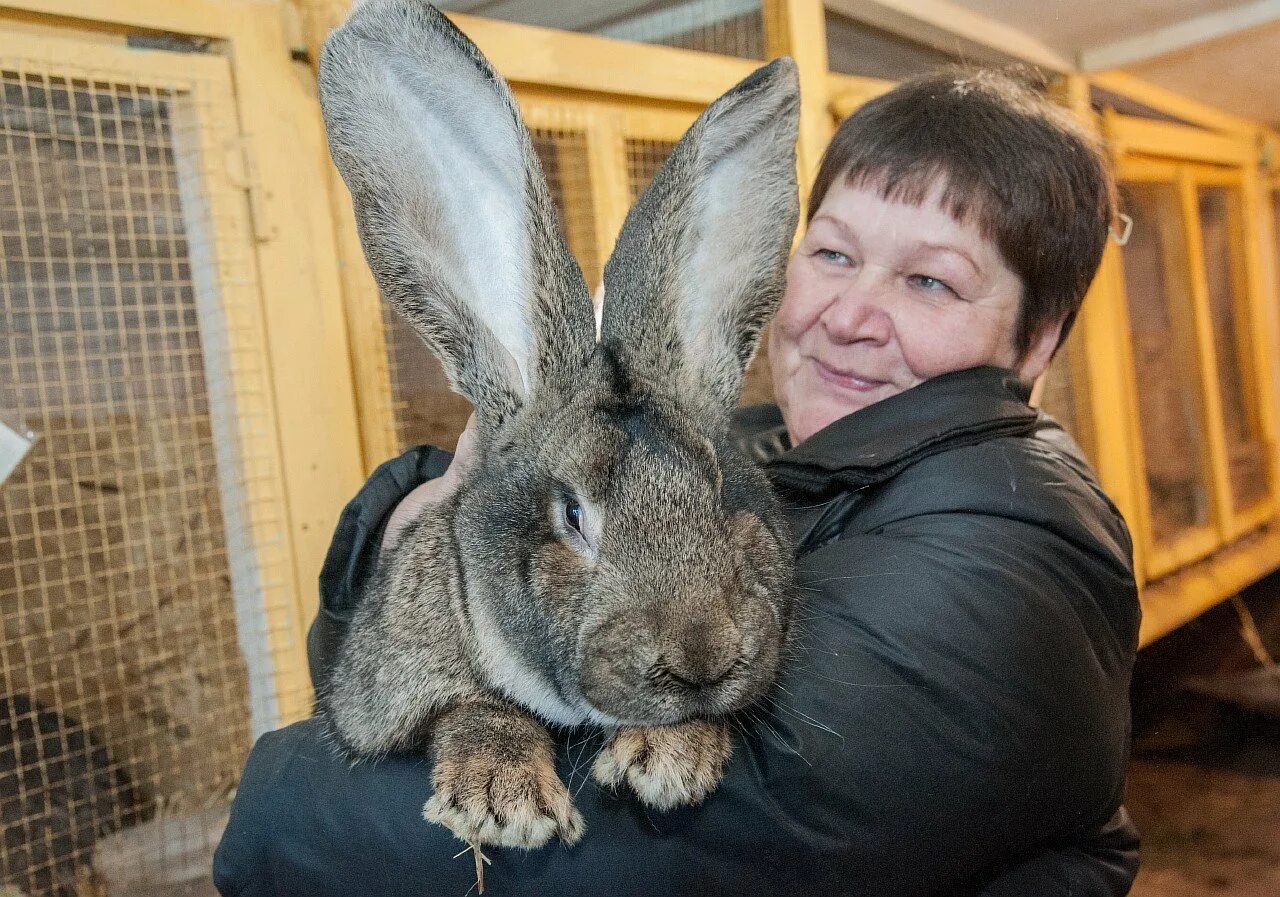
(956, 718)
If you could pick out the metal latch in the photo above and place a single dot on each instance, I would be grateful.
(242, 171)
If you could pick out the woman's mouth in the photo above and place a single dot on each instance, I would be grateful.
(846, 379)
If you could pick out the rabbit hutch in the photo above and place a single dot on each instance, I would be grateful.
(196, 370)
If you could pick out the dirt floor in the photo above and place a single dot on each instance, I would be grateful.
(1204, 784)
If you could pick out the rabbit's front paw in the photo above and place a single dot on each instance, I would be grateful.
(490, 800)
(666, 766)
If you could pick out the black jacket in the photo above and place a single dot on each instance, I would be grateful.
(956, 720)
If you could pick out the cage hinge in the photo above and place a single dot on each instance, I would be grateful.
(242, 171)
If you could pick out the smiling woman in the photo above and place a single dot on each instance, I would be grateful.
(883, 295)
(927, 250)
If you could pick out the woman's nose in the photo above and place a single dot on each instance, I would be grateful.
(858, 314)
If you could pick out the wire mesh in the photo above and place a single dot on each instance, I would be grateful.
(1220, 217)
(727, 27)
(1065, 393)
(855, 48)
(1158, 291)
(133, 533)
(426, 410)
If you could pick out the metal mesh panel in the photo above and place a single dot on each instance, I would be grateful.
(1065, 395)
(644, 158)
(1224, 275)
(131, 535)
(855, 48)
(426, 410)
(727, 27)
(1158, 290)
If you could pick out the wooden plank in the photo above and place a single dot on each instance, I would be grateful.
(1128, 134)
(797, 28)
(1200, 322)
(1172, 103)
(1106, 362)
(848, 92)
(524, 54)
(1259, 311)
(1182, 596)
(306, 322)
(207, 18)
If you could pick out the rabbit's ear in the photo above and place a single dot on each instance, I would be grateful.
(451, 204)
(700, 264)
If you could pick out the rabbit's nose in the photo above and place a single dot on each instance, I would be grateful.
(701, 661)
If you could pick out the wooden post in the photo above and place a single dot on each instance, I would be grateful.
(798, 28)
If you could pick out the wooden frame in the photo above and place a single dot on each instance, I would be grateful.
(1225, 523)
(1161, 557)
(295, 252)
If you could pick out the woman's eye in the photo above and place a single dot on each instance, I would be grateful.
(931, 284)
(831, 255)
(573, 514)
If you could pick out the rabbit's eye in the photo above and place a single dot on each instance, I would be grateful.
(573, 514)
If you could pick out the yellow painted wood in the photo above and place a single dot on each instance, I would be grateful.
(1101, 363)
(305, 317)
(362, 301)
(208, 18)
(1182, 596)
(1260, 319)
(1158, 557)
(848, 92)
(1172, 103)
(362, 306)
(798, 28)
(1127, 134)
(1206, 355)
(525, 54)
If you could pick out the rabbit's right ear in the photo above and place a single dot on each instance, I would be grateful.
(451, 204)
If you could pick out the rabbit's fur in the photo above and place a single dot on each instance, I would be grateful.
(665, 603)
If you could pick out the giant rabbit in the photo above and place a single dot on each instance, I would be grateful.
(610, 557)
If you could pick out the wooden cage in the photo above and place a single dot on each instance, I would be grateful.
(188, 327)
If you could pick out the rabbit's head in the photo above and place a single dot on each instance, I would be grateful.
(623, 561)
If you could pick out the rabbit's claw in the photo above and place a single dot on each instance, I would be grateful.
(486, 799)
(666, 766)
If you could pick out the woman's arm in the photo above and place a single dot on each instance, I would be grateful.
(902, 756)
(1103, 863)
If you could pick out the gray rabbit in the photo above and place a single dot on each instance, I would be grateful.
(610, 557)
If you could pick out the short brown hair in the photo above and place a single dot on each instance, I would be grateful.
(1033, 178)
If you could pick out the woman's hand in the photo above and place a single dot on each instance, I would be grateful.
(433, 491)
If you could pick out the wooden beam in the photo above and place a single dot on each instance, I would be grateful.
(953, 29)
(797, 28)
(1172, 103)
(1179, 36)
(525, 54)
(1173, 600)
(1129, 134)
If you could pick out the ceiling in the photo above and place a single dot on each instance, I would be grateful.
(1222, 52)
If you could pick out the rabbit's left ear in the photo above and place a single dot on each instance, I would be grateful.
(700, 264)
(452, 206)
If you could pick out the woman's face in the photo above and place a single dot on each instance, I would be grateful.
(881, 296)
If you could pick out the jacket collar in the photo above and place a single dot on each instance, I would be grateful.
(875, 443)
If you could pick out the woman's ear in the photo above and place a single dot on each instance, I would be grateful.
(1035, 361)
